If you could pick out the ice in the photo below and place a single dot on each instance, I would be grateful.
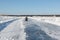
(34, 32)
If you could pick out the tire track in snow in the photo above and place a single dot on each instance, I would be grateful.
(5, 24)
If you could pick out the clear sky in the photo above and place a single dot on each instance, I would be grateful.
(29, 6)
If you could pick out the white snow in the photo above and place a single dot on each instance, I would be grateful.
(14, 31)
(52, 20)
(7, 18)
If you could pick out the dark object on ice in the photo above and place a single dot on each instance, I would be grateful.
(26, 19)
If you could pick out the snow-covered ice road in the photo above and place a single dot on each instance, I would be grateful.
(19, 29)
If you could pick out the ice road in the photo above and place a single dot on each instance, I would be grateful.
(19, 29)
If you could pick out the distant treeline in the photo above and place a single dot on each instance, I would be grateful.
(33, 15)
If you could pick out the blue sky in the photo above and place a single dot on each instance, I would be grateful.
(29, 6)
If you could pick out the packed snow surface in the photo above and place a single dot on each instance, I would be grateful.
(16, 28)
